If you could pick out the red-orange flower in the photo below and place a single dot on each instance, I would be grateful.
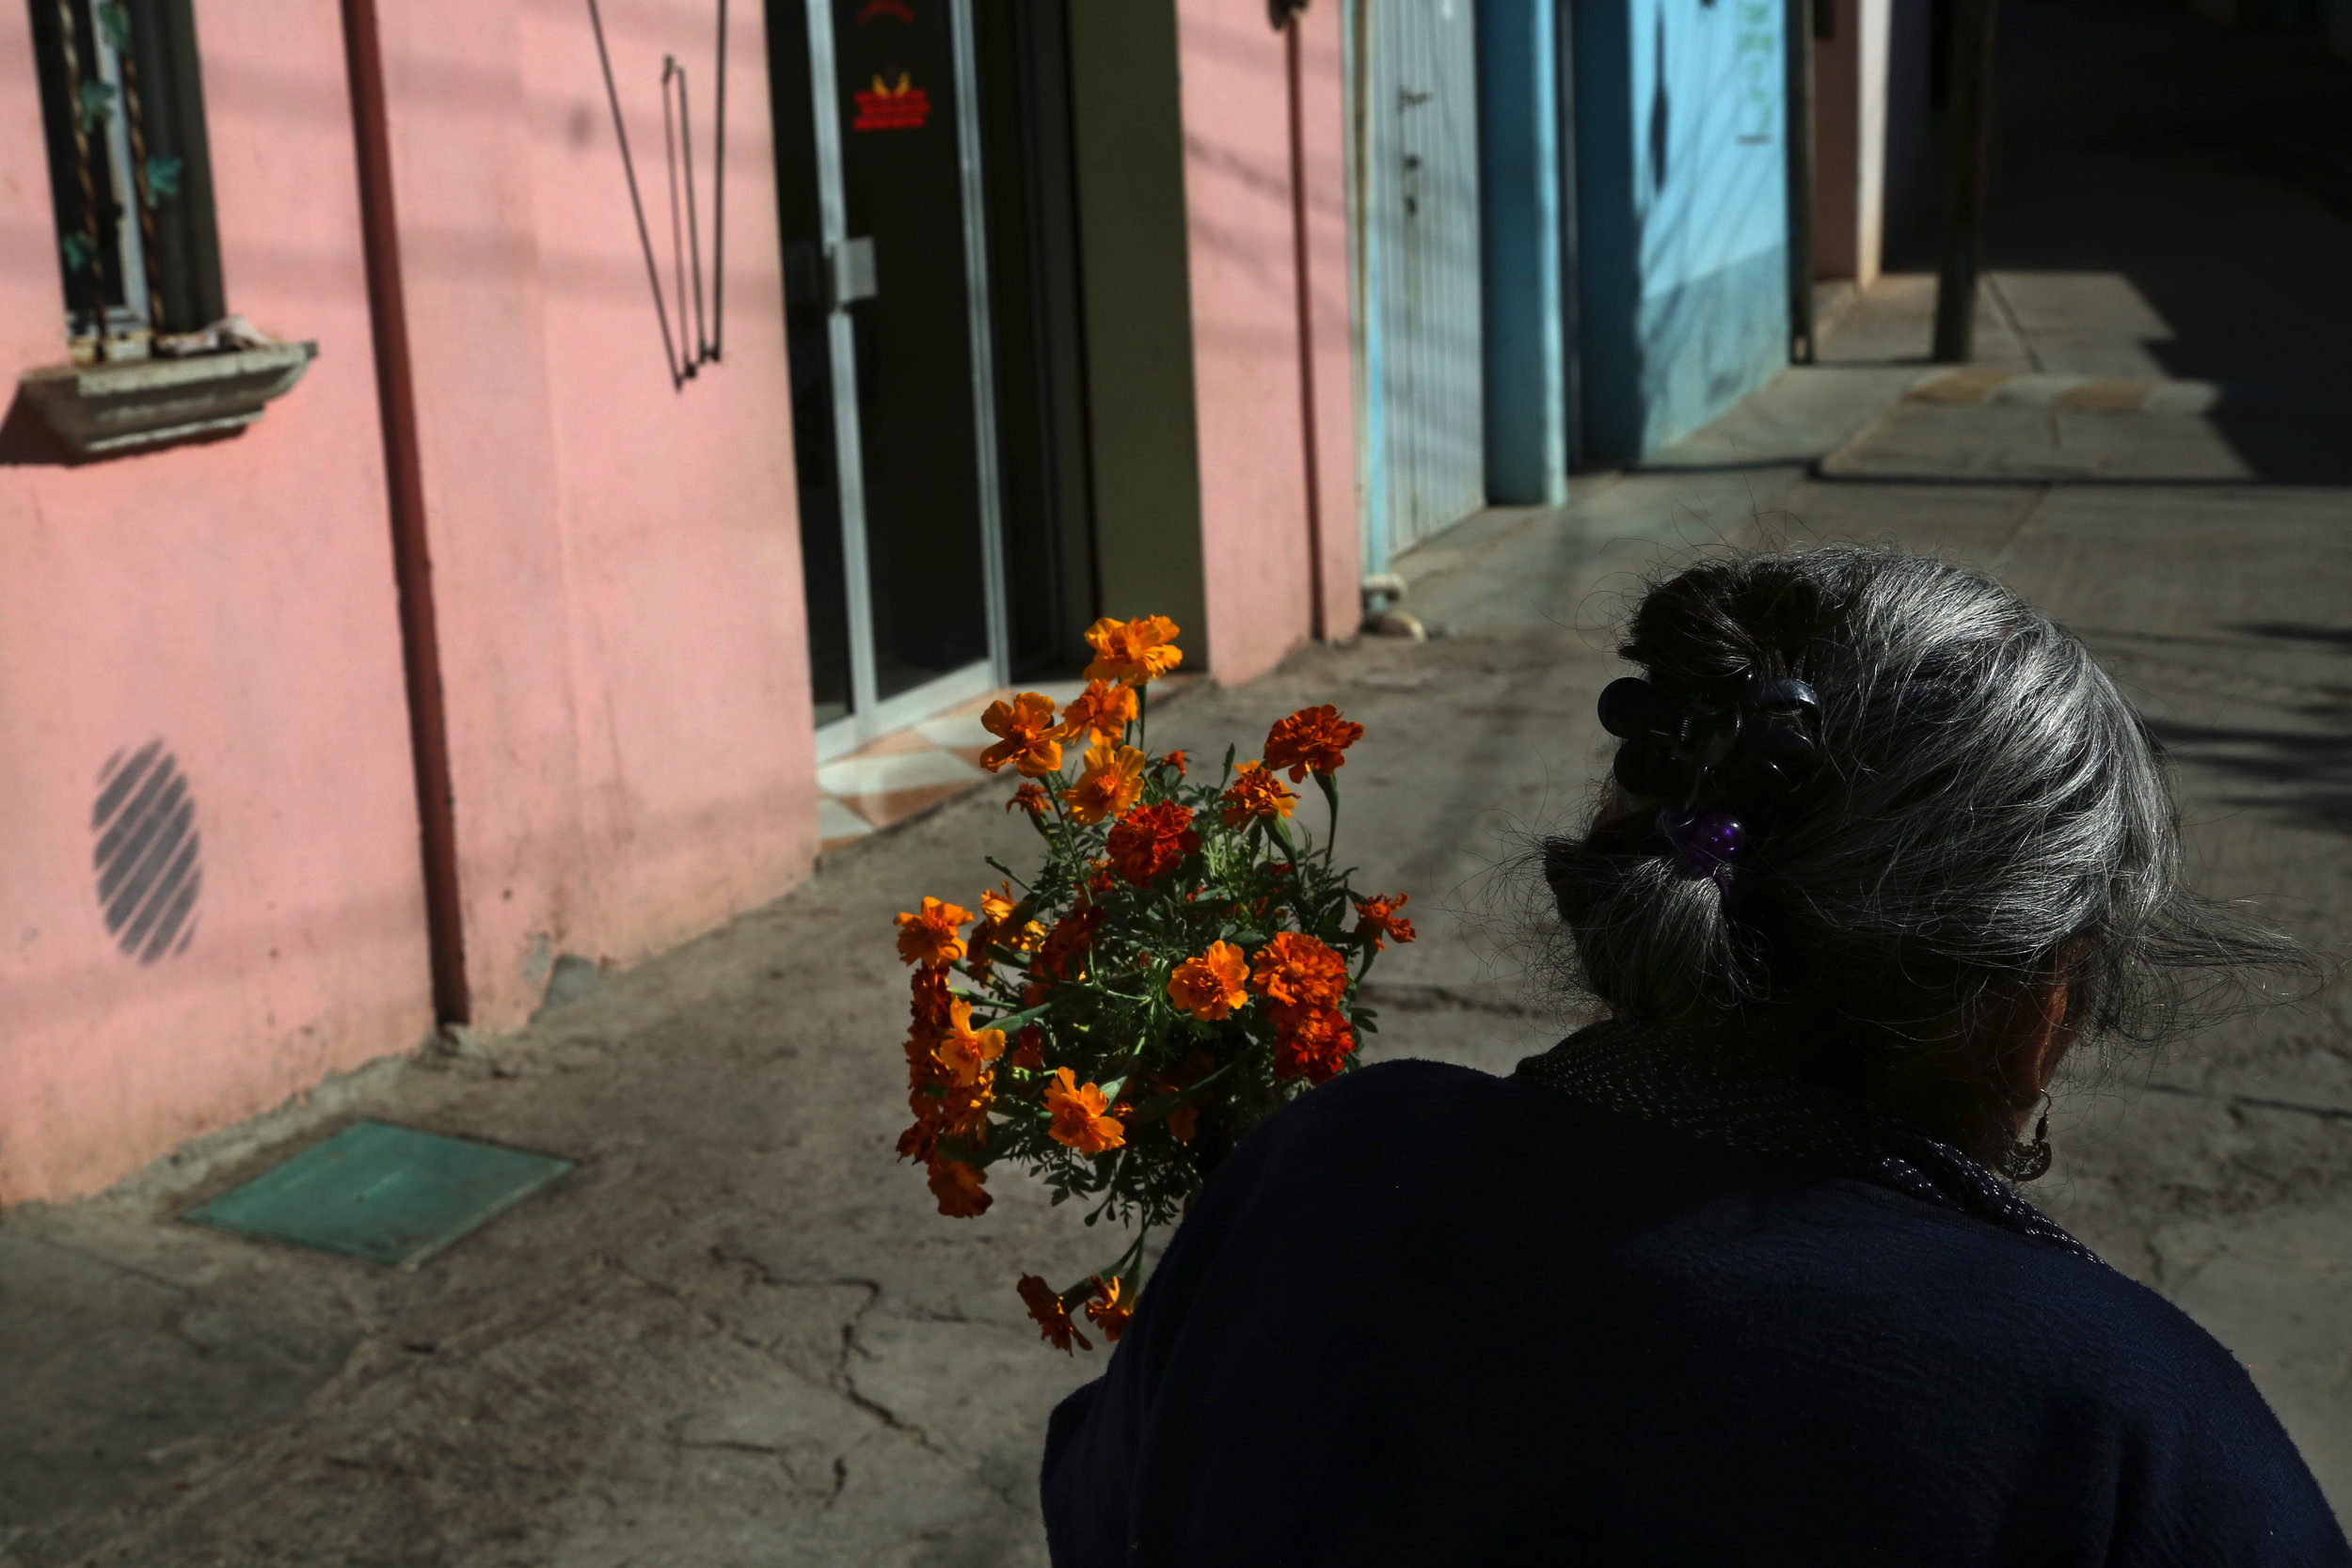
(1133, 650)
(1065, 946)
(1103, 711)
(1254, 792)
(1378, 919)
(1151, 839)
(959, 1188)
(1028, 1050)
(1311, 741)
(1105, 1307)
(1212, 985)
(930, 938)
(967, 1053)
(1294, 970)
(1029, 737)
(1052, 1317)
(929, 1008)
(1112, 781)
(1081, 1118)
(1174, 759)
(1313, 1042)
(1030, 798)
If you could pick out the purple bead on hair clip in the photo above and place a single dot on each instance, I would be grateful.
(1706, 844)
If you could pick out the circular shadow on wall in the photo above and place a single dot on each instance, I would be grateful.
(146, 855)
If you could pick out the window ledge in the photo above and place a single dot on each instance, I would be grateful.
(98, 410)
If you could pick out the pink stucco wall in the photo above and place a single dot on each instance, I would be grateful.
(1245, 365)
(234, 599)
(616, 562)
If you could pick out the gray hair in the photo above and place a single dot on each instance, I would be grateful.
(1991, 813)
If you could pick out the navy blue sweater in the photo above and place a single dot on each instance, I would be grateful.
(1424, 1315)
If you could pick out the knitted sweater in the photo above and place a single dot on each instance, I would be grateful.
(1424, 1315)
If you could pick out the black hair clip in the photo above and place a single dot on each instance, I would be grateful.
(1716, 760)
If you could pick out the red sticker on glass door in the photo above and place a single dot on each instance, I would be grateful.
(891, 107)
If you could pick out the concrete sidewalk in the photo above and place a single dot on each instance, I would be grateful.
(739, 1334)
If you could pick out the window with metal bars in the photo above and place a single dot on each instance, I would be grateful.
(123, 112)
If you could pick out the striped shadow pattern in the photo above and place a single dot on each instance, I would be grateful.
(146, 856)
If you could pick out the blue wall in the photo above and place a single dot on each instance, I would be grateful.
(1683, 213)
(1520, 240)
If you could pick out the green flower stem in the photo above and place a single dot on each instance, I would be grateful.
(1330, 787)
(1009, 872)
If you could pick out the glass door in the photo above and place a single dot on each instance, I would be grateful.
(886, 292)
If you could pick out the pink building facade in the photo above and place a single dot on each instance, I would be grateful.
(492, 639)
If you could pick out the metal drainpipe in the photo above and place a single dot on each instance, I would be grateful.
(412, 564)
(1801, 182)
(1306, 325)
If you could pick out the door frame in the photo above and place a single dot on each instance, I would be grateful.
(870, 715)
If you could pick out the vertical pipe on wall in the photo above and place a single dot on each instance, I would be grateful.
(1974, 24)
(403, 477)
(1525, 345)
(1800, 180)
(1306, 326)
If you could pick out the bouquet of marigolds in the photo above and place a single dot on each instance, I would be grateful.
(1186, 960)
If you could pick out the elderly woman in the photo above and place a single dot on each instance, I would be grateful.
(1734, 1276)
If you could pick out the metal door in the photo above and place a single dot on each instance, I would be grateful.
(886, 287)
(1422, 188)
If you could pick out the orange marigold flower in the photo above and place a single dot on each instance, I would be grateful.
(1052, 1317)
(1081, 1118)
(1149, 840)
(1028, 1050)
(1112, 781)
(966, 1052)
(1311, 741)
(1254, 792)
(1109, 1313)
(1029, 737)
(1312, 1042)
(1184, 1120)
(1378, 919)
(1294, 970)
(1212, 985)
(1030, 798)
(1176, 760)
(930, 938)
(918, 1141)
(960, 1189)
(1134, 651)
(1103, 711)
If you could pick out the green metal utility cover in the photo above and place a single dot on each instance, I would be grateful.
(383, 1193)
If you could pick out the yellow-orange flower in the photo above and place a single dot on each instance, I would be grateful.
(1378, 919)
(1029, 737)
(1294, 970)
(1254, 792)
(1103, 711)
(1212, 985)
(1112, 781)
(930, 937)
(1080, 1116)
(967, 1053)
(1311, 741)
(960, 1190)
(1109, 1313)
(1134, 651)
(1052, 1317)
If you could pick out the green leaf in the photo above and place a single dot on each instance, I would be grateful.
(115, 22)
(98, 104)
(163, 178)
